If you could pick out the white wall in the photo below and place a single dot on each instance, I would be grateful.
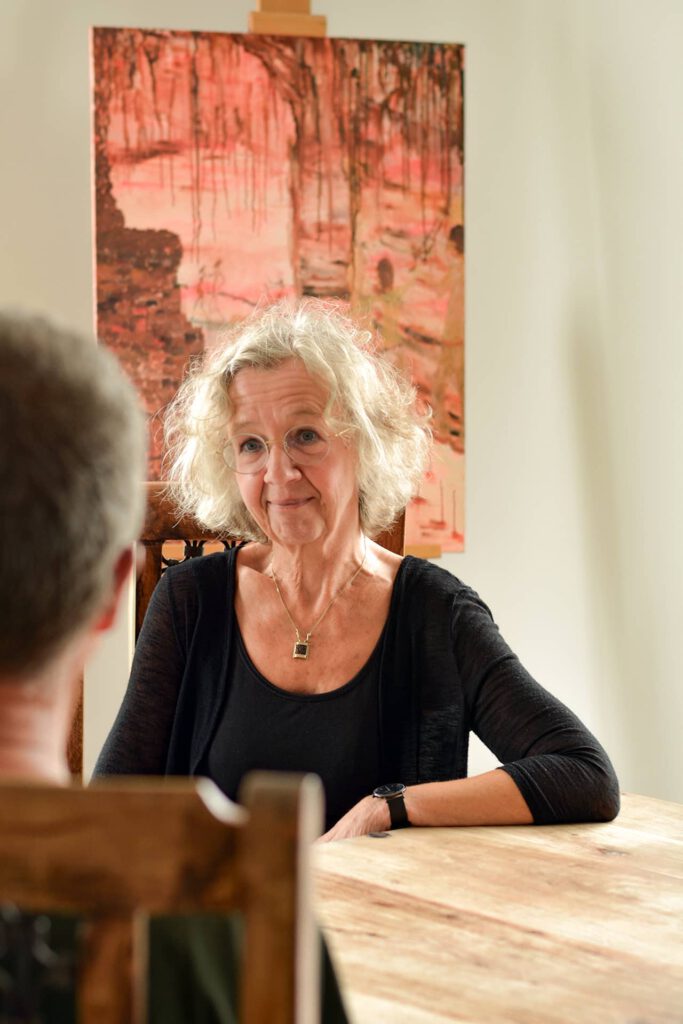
(574, 226)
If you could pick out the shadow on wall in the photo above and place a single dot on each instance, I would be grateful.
(620, 609)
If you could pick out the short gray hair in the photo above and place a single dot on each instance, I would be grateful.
(72, 457)
(368, 394)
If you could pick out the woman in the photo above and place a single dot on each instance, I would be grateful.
(312, 648)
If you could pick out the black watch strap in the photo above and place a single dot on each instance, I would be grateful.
(393, 794)
(398, 812)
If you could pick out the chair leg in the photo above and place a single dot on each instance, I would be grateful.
(112, 944)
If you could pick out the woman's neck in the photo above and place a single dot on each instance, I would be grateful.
(318, 569)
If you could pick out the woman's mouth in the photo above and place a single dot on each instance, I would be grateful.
(288, 503)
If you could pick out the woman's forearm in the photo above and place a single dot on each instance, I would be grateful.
(489, 799)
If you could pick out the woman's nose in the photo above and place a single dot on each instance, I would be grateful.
(279, 465)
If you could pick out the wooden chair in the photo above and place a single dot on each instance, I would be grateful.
(123, 850)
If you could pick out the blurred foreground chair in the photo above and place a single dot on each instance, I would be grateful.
(123, 850)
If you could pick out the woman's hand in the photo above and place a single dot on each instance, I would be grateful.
(368, 815)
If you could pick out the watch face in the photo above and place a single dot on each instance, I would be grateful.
(391, 789)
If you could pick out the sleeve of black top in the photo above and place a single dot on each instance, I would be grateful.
(139, 738)
(559, 767)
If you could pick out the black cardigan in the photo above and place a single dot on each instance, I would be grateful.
(445, 670)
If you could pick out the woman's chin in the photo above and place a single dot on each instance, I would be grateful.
(286, 529)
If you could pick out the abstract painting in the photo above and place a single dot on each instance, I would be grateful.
(232, 170)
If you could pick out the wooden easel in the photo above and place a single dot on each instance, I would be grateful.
(287, 18)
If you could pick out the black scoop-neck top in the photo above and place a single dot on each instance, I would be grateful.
(334, 734)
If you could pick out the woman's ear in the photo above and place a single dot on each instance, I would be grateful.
(122, 568)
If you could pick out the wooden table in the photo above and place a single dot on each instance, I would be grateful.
(570, 923)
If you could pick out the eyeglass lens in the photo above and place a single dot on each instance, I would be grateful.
(248, 453)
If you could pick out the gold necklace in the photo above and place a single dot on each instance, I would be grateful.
(301, 647)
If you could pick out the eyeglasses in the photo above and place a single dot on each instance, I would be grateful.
(305, 446)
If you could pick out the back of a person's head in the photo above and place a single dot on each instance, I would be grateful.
(72, 451)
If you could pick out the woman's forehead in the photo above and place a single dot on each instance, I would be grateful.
(287, 385)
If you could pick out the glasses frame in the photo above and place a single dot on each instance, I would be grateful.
(270, 444)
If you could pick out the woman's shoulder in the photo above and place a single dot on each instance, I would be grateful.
(431, 588)
(198, 589)
(422, 575)
(200, 571)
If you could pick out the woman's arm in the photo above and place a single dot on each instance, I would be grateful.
(138, 741)
(488, 799)
(558, 766)
(553, 769)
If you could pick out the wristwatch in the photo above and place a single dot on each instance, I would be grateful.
(393, 794)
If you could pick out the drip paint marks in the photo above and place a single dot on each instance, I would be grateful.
(232, 170)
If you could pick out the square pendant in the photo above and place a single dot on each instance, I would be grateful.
(300, 649)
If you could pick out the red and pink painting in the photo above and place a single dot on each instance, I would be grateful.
(233, 170)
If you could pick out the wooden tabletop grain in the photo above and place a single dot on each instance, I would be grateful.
(547, 925)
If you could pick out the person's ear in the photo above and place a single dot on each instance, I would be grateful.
(122, 569)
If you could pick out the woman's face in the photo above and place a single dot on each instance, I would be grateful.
(292, 504)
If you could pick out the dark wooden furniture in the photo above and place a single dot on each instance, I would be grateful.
(122, 850)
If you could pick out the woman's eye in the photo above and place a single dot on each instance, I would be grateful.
(304, 436)
(250, 445)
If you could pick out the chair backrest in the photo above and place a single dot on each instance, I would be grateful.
(122, 850)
